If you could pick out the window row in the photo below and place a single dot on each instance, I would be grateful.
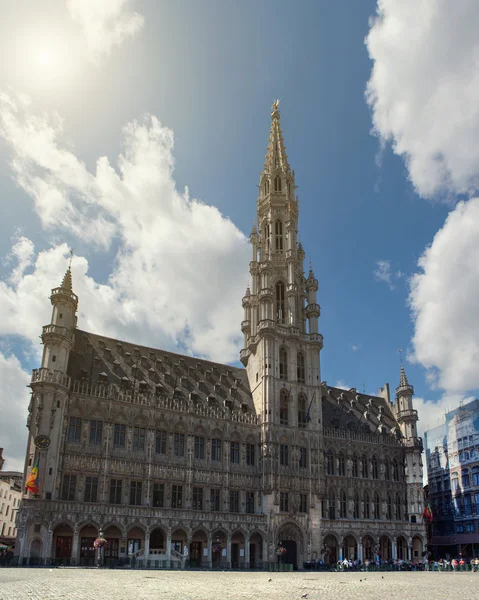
(161, 442)
(286, 407)
(285, 458)
(362, 467)
(466, 479)
(283, 353)
(285, 503)
(365, 506)
(135, 495)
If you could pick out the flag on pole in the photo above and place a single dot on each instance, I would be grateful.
(428, 512)
(308, 414)
(32, 481)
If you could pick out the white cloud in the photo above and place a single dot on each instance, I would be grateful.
(355, 348)
(179, 272)
(423, 90)
(105, 23)
(383, 272)
(341, 385)
(443, 299)
(14, 399)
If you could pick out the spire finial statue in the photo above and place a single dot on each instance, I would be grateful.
(71, 258)
(400, 355)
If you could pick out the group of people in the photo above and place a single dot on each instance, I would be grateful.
(455, 564)
(6, 556)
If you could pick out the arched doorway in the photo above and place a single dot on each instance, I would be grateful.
(368, 548)
(218, 549)
(199, 542)
(36, 552)
(157, 543)
(350, 548)
(111, 554)
(291, 538)
(238, 549)
(62, 542)
(416, 548)
(401, 548)
(330, 550)
(255, 551)
(87, 535)
(135, 541)
(385, 547)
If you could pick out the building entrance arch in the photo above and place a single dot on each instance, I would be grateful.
(290, 538)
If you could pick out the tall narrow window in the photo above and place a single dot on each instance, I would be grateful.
(283, 407)
(300, 368)
(277, 184)
(364, 467)
(136, 488)
(250, 502)
(177, 496)
(119, 435)
(250, 454)
(283, 363)
(341, 465)
(342, 505)
(214, 499)
(197, 498)
(374, 468)
(216, 450)
(278, 235)
(91, 489)
(387, 472)
(355, 469)
(74, 430)
(280, 304)
(234, 453)
(303, 458)
(356, 506)
(139, 439)
(395, 470)
(284, 455)
(283, 502)
(68, 487)
(330, 463)
(96, 430)
(158, 495)
(302, 417)
(199, 447)
(234, 501)
(115, 491)
(389, 514)
(398, 508)
(179, 444)
(367, 507)
(377, 514)
(331, 505)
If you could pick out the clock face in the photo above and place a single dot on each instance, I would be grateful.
(42, 441)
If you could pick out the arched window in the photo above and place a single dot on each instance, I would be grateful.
(364, 467)
(366, 506)
(331, 505)
(356, 506)
(330, 462)
(283, 363)
(278, 235)
(342, 505)
(280, 305)
(301, 369)
(277, 184)
(341, 465)
(387, 471)
(454, 481)
(398, 508)
(374, 465)
(355, 468)
(283, 408)
(376, 506)
(475, 476)
(395, 470)
(302, 411)
(389, 514)
(465, 478)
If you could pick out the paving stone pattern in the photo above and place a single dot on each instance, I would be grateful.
(90, 584)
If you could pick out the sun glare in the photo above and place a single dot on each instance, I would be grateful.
(46, 58)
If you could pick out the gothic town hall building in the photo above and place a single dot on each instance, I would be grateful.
(159, 452)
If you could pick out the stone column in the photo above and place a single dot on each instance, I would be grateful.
(247, 551)
(75, 546)
(210, 551)
(394, 548)
(265, 558)
(409, 552)
(228, 550)
(168, 547)
(360, 550)
(49, 544)
(147, 548)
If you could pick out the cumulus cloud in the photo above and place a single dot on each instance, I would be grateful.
(423, 90)
(178, 275)
(14, 399)
(443, 301)
(105, 23)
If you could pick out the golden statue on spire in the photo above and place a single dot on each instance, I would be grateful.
(275, 107)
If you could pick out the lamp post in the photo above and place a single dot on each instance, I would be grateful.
(100, 550)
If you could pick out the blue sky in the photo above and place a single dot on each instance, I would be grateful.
(209, 72)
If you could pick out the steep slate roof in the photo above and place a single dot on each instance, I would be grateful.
(346, 409)
(97, 358)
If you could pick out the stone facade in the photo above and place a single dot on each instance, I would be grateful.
(160, 452)
(10, 497)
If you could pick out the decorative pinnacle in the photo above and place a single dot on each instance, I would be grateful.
(402, 377)
(275, 110)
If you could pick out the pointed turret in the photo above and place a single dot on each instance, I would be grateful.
(67, 280)
(276, 157)
(404, 388)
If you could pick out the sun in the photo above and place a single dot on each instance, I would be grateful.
(46, 58)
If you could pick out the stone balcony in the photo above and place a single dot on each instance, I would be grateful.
(57, 330)
(47, 376)
(407, 415)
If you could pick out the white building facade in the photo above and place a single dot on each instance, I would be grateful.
(160, 452)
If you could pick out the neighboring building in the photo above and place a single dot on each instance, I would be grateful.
(10, 496)
(160, 451)
(452, 453)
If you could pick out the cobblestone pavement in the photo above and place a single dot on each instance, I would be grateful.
(90, 584)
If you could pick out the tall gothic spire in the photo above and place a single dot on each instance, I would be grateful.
(276, 158)
(402, 377)
(67, 280)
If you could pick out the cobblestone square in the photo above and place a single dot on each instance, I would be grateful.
(83, 584)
